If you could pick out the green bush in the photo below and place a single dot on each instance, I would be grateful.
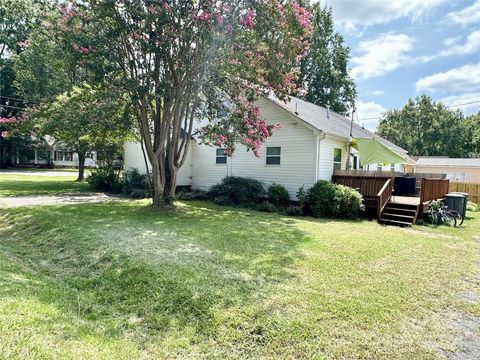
(325, 199)
(136, 184)
(266, 207)
(191, 195)
(293, 211)
(234, 190)
(348, 202)
(278, 195)
(104, 179)
(471, 206)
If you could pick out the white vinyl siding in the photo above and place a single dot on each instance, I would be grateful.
(327, 146)
(133, 158)
(296, 168)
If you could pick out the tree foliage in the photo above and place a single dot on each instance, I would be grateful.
(427, 128)
(324, 71)
(77, 119)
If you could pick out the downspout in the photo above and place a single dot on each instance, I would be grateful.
(349, 154)
(319, 136)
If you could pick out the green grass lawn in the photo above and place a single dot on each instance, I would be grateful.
(23, 185)
(117, 280)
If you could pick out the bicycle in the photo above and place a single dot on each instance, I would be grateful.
(439, 214)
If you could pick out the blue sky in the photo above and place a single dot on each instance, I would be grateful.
(403, 48)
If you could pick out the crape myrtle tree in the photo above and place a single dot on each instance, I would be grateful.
(181, 60)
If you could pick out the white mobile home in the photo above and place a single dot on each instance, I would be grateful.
(309, 145)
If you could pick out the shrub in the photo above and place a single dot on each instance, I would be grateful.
(325, 199)
(348, 202)
(293, 211)
(104, 179)
(136, 184)
(234, 190)
(266, 207)
(471, 206)
(191, 195)
(278, 195)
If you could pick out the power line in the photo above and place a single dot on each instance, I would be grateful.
(16, 99)
(12, 107)
(447, 107)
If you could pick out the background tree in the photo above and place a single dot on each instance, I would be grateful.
(324, 70)
(472, 129)
(77, 120)
(427, 128)
(17, 19)
(184, 60)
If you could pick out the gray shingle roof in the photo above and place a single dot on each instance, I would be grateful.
(337, 124)
(440, 161)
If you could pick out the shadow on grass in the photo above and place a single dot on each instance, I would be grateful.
(123, 267)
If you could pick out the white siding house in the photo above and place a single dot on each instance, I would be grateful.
(309, 145)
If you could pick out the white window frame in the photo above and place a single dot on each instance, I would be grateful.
(274, 156)
(339, 163)
(220, 156)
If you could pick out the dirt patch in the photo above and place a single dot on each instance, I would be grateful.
(66, 199)
(467, 326)
(427, 234)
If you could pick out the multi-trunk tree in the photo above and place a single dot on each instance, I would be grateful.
(181, 60)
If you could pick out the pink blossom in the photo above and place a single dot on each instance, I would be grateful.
(166, 7)
(4, 134)
(248, 19)
(234, 61)
(219, 18)
(202, 16)
(229, 28)
(24, 44)
(303, 16)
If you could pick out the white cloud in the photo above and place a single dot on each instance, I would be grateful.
(353, 13)
(468, 15)
(471, 45)
(369, 114)
(375, 92)
(381, 55)
(457, 80)
(452, 40)
(467, 103)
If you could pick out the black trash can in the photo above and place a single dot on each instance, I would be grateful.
(456, 202)
(466, 200)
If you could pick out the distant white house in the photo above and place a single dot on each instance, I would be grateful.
(309, 145)
(58, 156)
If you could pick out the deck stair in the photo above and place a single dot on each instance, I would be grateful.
(399, 214)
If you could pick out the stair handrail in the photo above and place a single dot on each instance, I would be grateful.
(384, 196)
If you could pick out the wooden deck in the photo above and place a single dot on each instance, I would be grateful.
(380, 199)
(405, 200)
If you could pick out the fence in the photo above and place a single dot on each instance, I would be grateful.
(473, 190)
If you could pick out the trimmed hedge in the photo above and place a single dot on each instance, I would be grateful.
(325, 199)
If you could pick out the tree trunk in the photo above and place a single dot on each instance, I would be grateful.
(158, 169)
(81, 166)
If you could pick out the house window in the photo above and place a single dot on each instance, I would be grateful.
(355, 162)
(221, 157)
(460, 176)
(273, 155)
(392, 167)
(337, 159)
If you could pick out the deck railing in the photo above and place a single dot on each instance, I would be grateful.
(384, 196)
(433, 189)
(376, 191)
